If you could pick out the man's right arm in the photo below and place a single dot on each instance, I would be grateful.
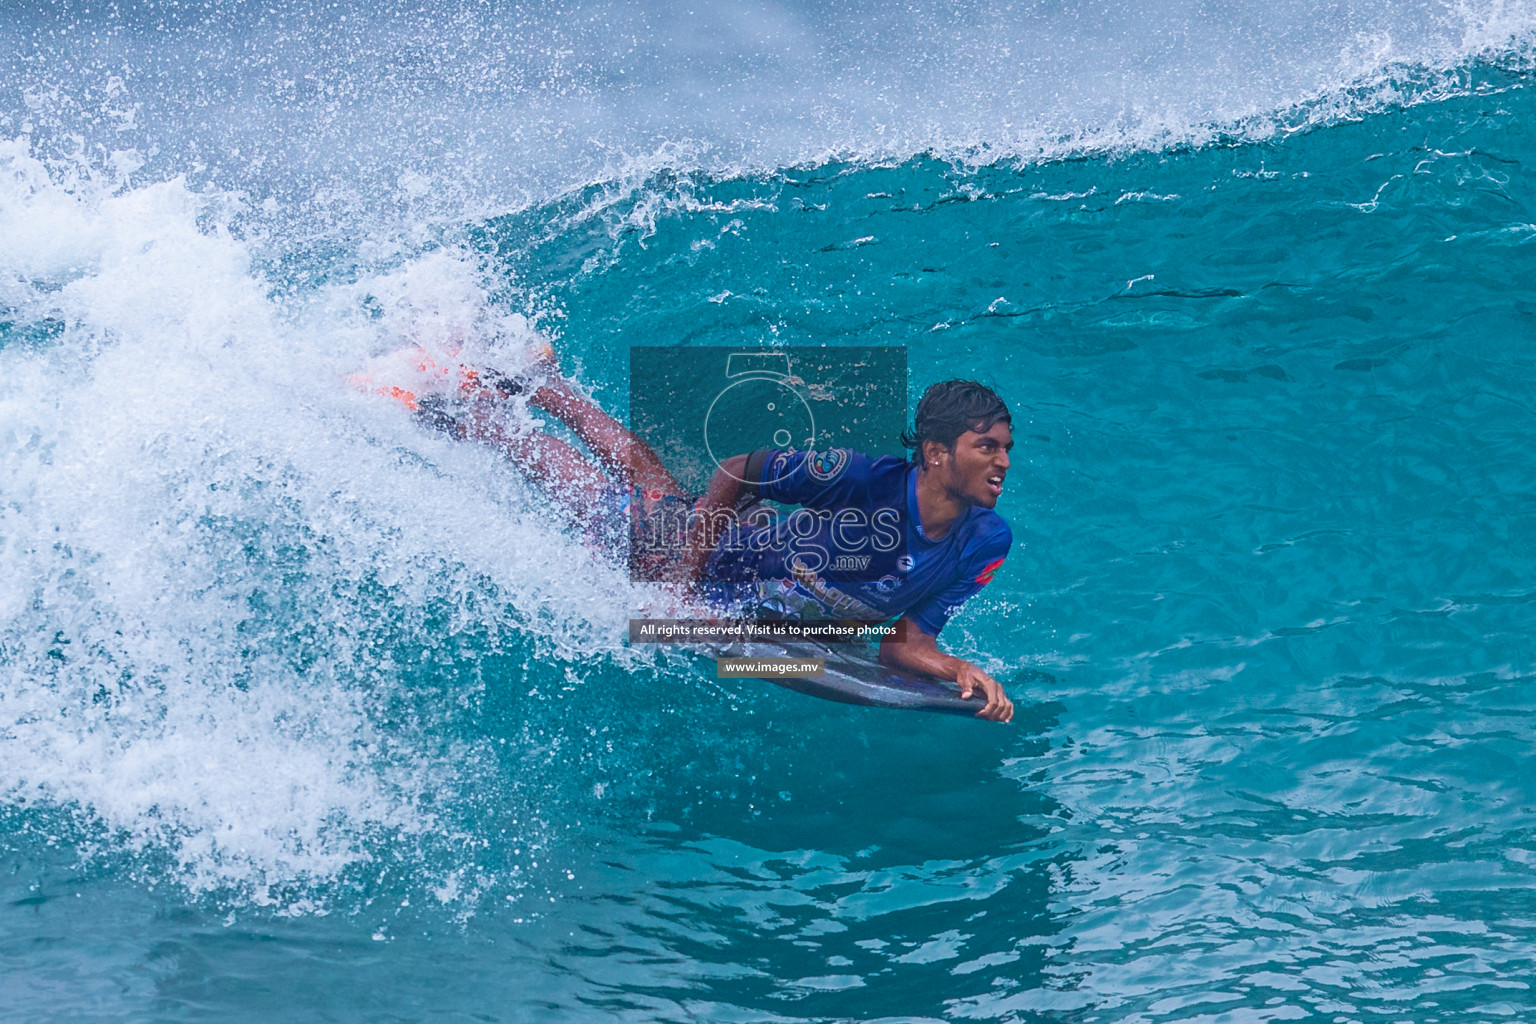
(720, 501)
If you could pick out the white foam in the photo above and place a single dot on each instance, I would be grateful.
(209, 545)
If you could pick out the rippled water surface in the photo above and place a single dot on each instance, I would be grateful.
(306, 714)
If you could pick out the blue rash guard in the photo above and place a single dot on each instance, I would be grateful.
(856, 548)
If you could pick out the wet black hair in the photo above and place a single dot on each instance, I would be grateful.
(950, 408)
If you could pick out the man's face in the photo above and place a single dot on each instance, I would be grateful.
(979, 465)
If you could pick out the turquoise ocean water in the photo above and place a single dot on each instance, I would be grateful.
(309, 715)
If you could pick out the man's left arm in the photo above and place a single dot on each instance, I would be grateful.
(919, 652)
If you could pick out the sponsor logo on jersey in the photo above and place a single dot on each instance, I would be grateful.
(837, 604)
(985, 576)
(825, 466)
(886, 584)
(905, 563)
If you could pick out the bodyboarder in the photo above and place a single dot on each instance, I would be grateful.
(875, 538)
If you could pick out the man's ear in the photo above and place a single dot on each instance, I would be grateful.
(933, 451)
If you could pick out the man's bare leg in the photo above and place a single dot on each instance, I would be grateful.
(617, 447)
(555, 466)
(561, 470)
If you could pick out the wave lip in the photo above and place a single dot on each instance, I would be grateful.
(446, 109)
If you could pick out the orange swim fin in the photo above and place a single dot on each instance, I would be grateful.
(411, 374)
